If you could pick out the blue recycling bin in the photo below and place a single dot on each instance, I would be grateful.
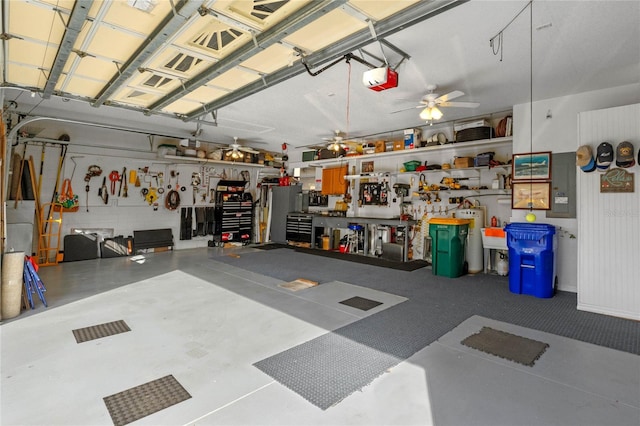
(532, 259)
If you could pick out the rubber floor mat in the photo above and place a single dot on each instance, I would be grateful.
(506, 345)
(361, 303)
(101, 330)
(140, 401)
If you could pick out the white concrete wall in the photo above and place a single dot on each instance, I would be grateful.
(560, 134)
(120, 214)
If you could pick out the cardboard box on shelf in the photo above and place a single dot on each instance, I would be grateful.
(380, 146)
(398, 145)
(463, 162)
(412, 138)
(470, 124)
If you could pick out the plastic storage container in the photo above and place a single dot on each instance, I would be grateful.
(532, 260)
(449, 237)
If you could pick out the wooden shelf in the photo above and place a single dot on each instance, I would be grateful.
(183, 159)
(495, 142)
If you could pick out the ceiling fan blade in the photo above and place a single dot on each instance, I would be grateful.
(406, 109)
(460, 104)
(247, 149)
(449, 96)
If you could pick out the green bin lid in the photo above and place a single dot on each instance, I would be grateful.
(449, 221)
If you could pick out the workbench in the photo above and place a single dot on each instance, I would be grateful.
(341, 222)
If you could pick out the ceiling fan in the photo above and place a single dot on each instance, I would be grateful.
(236, 151)
(336, 142)
(431, 102)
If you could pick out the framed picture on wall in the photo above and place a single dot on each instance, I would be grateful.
(367, 167)
(531, 195)
(531, 166)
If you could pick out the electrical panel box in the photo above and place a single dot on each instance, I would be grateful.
(563, 185)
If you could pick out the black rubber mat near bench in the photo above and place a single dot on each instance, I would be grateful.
(358, 258)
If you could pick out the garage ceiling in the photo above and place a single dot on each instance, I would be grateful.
(236, 66)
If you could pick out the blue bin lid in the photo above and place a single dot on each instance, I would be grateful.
(534, 227)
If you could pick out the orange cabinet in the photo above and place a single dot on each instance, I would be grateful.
(333, 181)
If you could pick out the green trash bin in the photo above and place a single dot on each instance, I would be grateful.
(449, 238)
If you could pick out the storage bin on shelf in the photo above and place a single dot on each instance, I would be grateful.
(532, 260)
(410, 166)
(449, 237)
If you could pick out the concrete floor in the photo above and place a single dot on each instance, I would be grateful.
(206, 323)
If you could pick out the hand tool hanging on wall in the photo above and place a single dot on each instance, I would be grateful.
(195, 182)
(125, 193)
(92, 171)
(39, 189)
(114, 177)
(103, 192)
(122, 179)
(181, 188)
(172, 200)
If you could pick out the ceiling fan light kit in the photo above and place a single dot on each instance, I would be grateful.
(431, 113)
(234, 154)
